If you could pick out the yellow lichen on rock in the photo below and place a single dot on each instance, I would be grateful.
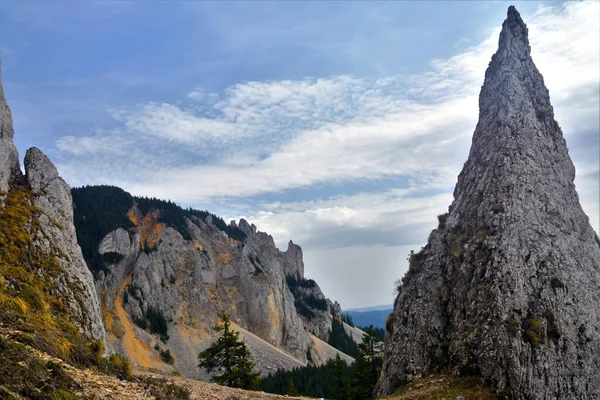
(224, 258)
(273, 312)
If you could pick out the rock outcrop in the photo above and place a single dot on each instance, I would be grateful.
(189, 266)
(508, 286)
(55, 233)
(9, 158)
(53, 195)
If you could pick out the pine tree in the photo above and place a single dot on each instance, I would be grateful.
(340, 384)
(367, 366)
(292, 389)
(230, 356)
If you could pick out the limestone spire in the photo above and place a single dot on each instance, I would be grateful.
(511, 281)
(9, 157)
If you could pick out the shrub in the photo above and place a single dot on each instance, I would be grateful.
(112, 257)
(158, 322)
(533, 331)
(117, 366)
(389, 323)
(416, 261)
(164, 389)
(167, 357)
(303, 309)
(141, 322)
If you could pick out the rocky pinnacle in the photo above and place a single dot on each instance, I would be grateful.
(9, 158)
(508, 285)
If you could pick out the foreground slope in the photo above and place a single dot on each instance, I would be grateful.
(508, 287)
(27, 373)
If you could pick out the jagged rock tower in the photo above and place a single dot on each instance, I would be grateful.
(508, 286)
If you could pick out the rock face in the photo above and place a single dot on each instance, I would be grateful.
(52, 196)
(9, 158)
(508, 286)
(189, 272)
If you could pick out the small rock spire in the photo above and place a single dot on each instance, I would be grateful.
(514, 37)
(10, 170)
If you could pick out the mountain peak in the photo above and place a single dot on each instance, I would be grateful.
(514, 240)
(515, 34)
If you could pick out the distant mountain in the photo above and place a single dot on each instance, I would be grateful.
(373, 308)
(164, 274)
(373, 317)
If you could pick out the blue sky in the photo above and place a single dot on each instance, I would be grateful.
(340, 125)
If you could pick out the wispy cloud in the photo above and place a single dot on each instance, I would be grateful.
(276, 135)
(247, 146)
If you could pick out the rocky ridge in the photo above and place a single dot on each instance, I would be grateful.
(508, 286)
(188, 270)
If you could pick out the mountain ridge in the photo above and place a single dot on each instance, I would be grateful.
(184, 267)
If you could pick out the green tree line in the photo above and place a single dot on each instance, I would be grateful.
(335, 379)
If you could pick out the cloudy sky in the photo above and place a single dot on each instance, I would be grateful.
(340, 125)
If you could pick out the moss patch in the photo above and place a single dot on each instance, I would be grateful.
(534, 331)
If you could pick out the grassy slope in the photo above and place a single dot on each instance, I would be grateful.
(444, 386)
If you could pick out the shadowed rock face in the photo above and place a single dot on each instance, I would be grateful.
(53, 197)
(508, 286)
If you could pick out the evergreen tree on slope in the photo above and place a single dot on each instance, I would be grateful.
(367, 366)
(229, 356)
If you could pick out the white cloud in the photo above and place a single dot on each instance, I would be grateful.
(270, 136)
(274, 136)
(169, 122)
(396, 217)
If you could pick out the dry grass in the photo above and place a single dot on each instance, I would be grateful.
(440, 386)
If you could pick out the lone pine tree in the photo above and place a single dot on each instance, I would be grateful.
(229, 356)
(367, 366)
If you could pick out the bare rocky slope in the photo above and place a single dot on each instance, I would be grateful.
(184, 267)
(508, 286)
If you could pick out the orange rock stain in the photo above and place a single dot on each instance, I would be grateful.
(137, 352)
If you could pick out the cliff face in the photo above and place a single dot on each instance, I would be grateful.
(187, 267)
(508, 286)
(9, 158)
(38, 239)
